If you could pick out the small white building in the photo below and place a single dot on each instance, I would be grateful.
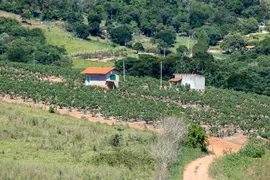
(194, 81)
(101, 76)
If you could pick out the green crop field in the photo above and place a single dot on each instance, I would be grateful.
(35, 144)
(216, 108)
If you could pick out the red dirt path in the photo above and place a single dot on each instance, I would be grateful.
(198, 169)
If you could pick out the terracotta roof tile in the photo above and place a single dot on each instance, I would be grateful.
(98, 70)
(175, 79)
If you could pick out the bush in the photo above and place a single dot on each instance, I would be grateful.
(116, 140)
(254, 149)
(196, 137)
(130, 159)
(51, 109)
(138, 47)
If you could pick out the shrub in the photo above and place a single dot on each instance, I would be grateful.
(254, 149)
(138, 46)
(116, 140)
(51, 109)
(130, 159)
(196, 137)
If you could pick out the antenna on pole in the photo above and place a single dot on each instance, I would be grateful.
(161, 74)
(124, 70)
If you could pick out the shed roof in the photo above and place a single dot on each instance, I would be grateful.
(188, 74)
(175, 79)
(98, 70)
(250, 47)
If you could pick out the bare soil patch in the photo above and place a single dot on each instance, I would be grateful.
(52, 79)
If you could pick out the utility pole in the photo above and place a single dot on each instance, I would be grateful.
(161, 74)
(124, 70)
(33, 58)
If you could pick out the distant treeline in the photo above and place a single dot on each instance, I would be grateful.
(216, 17)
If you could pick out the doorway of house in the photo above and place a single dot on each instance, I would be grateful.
(88, 79)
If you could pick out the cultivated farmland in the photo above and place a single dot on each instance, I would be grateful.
(224, 112)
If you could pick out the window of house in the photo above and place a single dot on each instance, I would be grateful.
(113, 77)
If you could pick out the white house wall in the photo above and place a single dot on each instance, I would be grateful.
(116, 82)
(97, 80)
(200, 83)
(100, 79)
(195, 81)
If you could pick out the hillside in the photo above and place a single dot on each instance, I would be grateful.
(36, 144)
(225, 112)
(156, 126)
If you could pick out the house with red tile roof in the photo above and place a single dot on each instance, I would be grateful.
(107, 77)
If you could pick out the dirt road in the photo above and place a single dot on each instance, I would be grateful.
(198, 169)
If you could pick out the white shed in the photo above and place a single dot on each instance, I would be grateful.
(194, 81)
(101, 76)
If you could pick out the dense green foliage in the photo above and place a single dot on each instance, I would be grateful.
(121, 35)
(149, 16)
(28, 45)
(148, 65)
(38, 145)
(251, 162)
(246, 70)
(196, 137)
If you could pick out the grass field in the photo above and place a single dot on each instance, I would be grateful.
(183, 41)
(252, 162)
(35, 144)
(56, 35)
(81, 63)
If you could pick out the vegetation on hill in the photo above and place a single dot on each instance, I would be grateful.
(147, 16)
(140, 99)
(27, 45)
(251, 162)
(178, 34)
(38, 145)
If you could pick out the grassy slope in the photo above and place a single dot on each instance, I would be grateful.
(56, 35)
(35, 144)
(183, 41)
(81, 63)
(244, 168)
(241, 165)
